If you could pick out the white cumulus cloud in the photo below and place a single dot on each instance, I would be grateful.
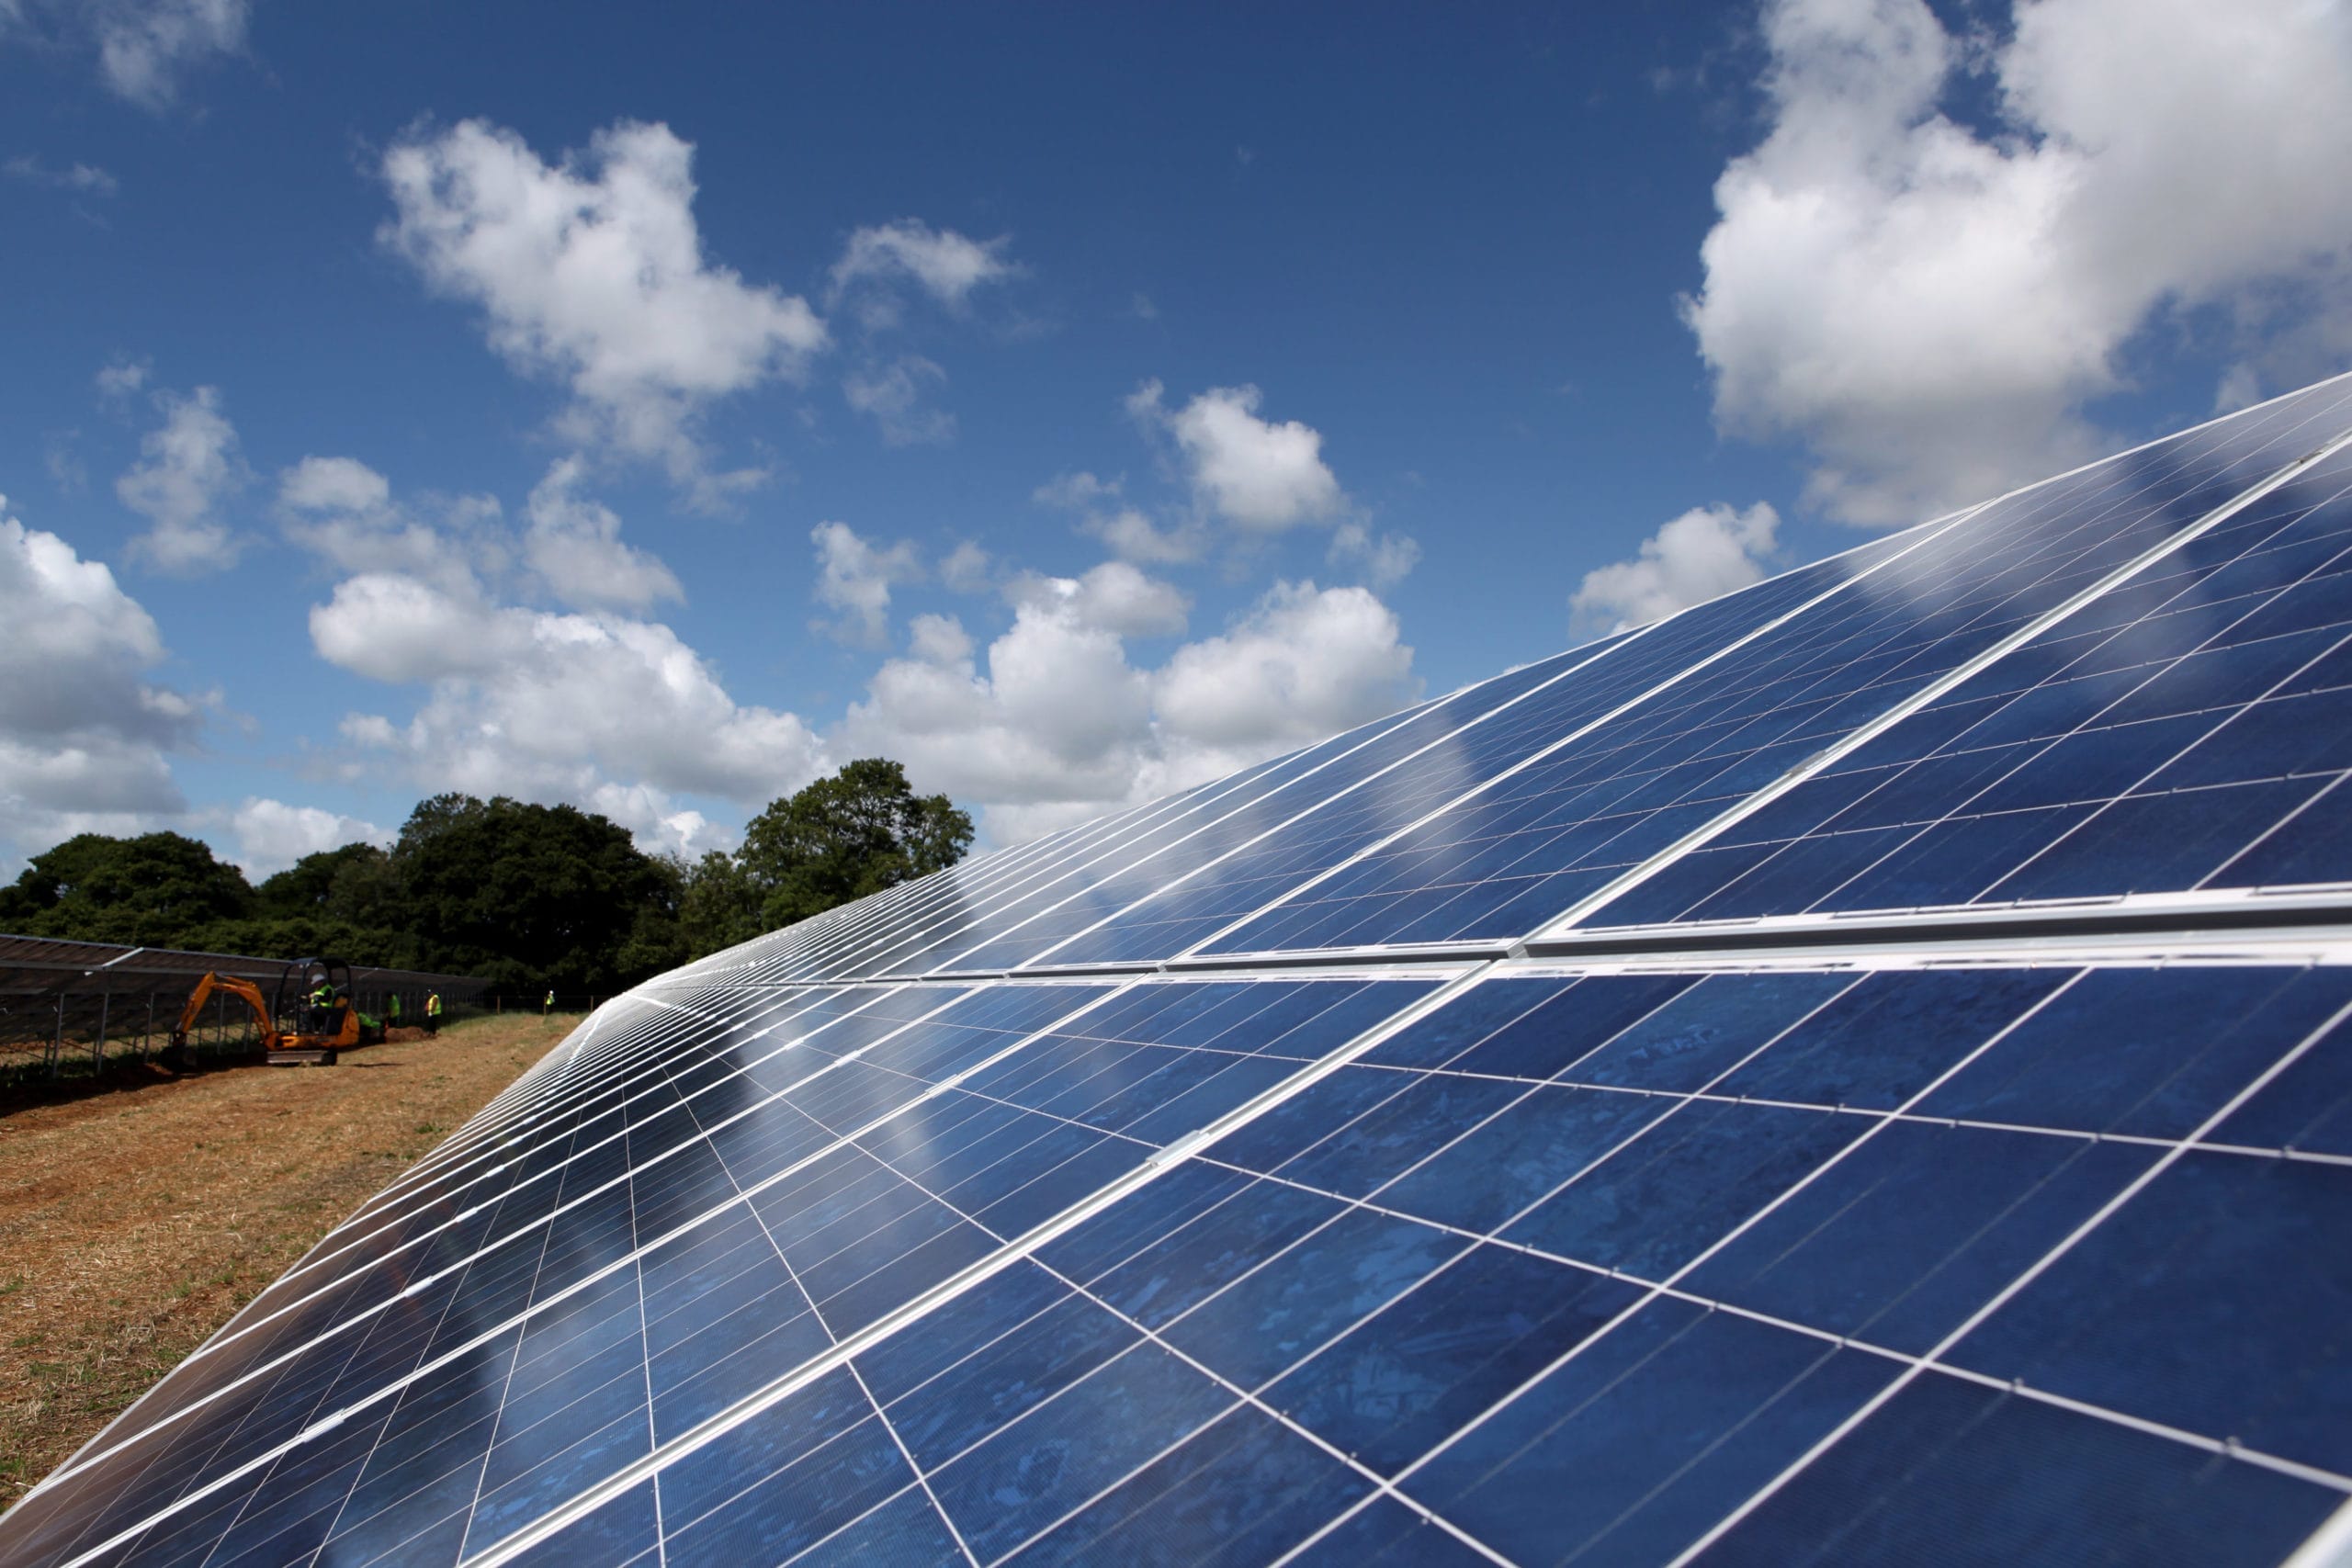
(185, 470)
(591, 271)
(574, 544)
(83, 733)
(1115, 597)
(1701, 555)
(271, 835)
(1132, 536)
(1054, 723)
(1930, 307)
(342, 511)
(1304, 663)
(946, 265)
(542, 705)
(856, 576)
(1257, 475)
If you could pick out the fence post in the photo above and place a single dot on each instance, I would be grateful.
(147, 1040)
(57, 1045)
(98, 1046)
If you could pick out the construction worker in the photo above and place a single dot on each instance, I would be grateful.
(392, 1011)
(548, 1006)
(322, 1006)
(433, 1013)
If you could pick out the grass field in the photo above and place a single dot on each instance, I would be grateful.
(133, 1223)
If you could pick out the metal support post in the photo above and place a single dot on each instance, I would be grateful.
(98, 1045)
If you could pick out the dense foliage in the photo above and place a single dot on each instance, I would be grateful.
(532, 898)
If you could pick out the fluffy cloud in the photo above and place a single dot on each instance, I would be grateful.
(1129, 535)
(390, 626)
(966, 569)
(574, 545)
(1706, 552)
(1076, 492)
(946, 265)
(543, 705)
(600, 707)
(1930, 307)
(342, 511)
(1383, 560)
(1256, 475)
(270, 835)
(118, 380)
(144, 45)
(855, 577)
(591, 271)
(83, 735)
(1058, 725)
(1306, 663)
(1132, 536)
(1113, 597)
(184, 470)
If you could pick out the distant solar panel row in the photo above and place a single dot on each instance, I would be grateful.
(1223, 1180)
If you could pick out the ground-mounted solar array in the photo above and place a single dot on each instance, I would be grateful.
(1857, 1071)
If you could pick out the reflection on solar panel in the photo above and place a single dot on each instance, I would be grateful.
(1858, 1071)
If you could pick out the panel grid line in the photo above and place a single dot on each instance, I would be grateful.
(1868, 731)
(2165, 1162)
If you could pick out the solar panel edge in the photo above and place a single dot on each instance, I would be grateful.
(1919, 699)
(1925, 533)
(1309, 807)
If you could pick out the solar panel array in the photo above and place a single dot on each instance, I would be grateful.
(1857, 1071)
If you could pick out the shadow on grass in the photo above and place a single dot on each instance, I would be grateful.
(32, 1088)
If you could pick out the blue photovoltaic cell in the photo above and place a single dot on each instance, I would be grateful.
(1324, 1311)
(846, 1246)
(1016, 933)
(1509, 860)
(1182, 914)
(2154, 741)
(645, 1283)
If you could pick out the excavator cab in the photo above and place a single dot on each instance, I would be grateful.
(313, 1000)
(318, 1013)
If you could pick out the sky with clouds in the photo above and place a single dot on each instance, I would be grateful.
(655, 408)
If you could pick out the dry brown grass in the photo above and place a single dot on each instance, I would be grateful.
(133, 1223)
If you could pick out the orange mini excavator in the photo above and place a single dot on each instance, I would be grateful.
(310, 1020)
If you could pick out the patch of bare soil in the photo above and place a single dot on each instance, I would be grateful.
(133, 1223)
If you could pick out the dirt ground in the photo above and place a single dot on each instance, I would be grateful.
(134, 1223)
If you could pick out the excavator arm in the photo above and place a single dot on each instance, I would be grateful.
(244, 991)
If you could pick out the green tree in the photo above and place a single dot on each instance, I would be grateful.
(355, 882)
(842, 838)
(156, 890)
(534, 897)
(719, 906)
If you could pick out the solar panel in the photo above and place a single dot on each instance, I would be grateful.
(1860, 1070)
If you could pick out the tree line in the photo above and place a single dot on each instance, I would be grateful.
(530, 897)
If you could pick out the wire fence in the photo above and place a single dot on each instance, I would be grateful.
(77, 1007)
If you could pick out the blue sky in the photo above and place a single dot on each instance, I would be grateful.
(653, 410)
